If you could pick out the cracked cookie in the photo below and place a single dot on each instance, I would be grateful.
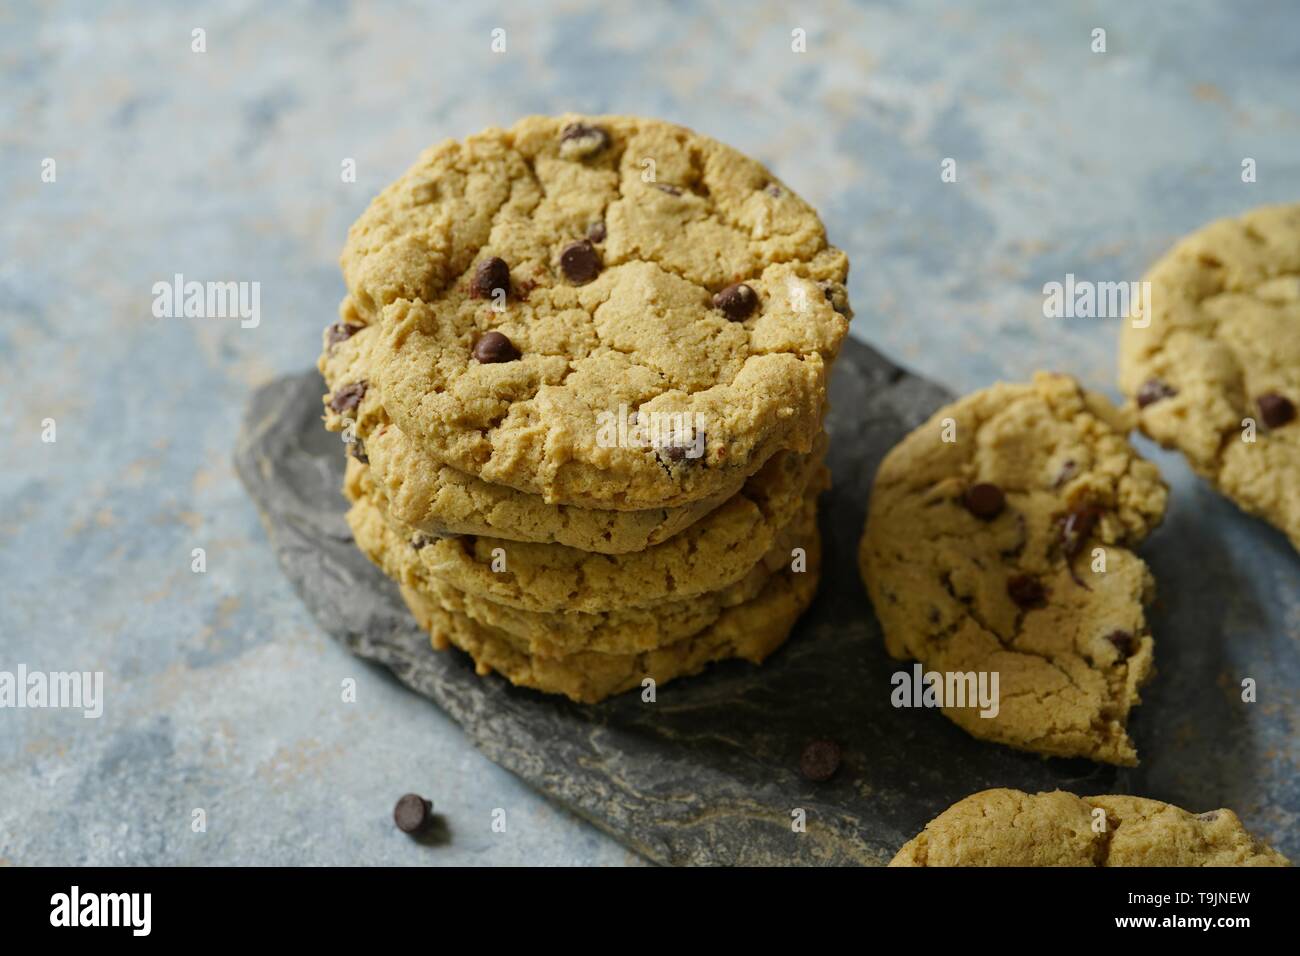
(1219, 343)
(997, 540)
(527, 282)
(750, 631)
(1012, 828)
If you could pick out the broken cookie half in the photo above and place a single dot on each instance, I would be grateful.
(998, 545)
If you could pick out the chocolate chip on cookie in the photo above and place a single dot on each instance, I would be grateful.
(1276, 410)
(1153, 390)
(819, 760)
(680, 447)
(341, 331)
(596, 231)
(737, 301)
(984, 500)
(413, 813)
(838, 297)
(580, 140)
(1075, 526)
(491, 274)
(1124, 642)
(1026, 590)
(668, 188)
(357, 449)
(579, 262)
(773, 190)
(494, 347)
(348, 397)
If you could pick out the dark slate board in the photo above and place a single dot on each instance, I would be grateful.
(709, 773)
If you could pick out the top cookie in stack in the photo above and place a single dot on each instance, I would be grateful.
(597, 351)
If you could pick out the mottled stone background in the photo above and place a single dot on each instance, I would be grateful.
(224, 165)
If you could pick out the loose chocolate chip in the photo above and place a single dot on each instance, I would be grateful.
(357, 449)
(668, 188)
(341, 331)
(1153, 390)
(494, 347)
(1026, 590)
(1123, 641)
(984, 500)
(348, 397)
(491, 274)
(1076, 525)
(582, 140)
(579, 262)
(1276, 410)
(596, 232)
(737, 301)
(413, 813)
(819, 760)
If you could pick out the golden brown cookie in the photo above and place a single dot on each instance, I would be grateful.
(441, 500)
(528, 283)
(1011, 828)
(1212, 363)
(997, 542)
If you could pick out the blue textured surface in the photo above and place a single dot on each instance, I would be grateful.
(221, 693)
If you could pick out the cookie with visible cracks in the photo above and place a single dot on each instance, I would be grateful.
(682, 217)
(986, 538)
(1013, 828)
(1219, 344)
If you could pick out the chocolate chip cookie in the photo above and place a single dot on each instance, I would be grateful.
(527, 283)
(1212, 362)
(998, 540)
(1012, 828)
(440, 500)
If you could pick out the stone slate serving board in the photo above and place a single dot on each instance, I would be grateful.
(709, 773)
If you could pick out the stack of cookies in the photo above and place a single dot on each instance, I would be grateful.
(581, 373)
